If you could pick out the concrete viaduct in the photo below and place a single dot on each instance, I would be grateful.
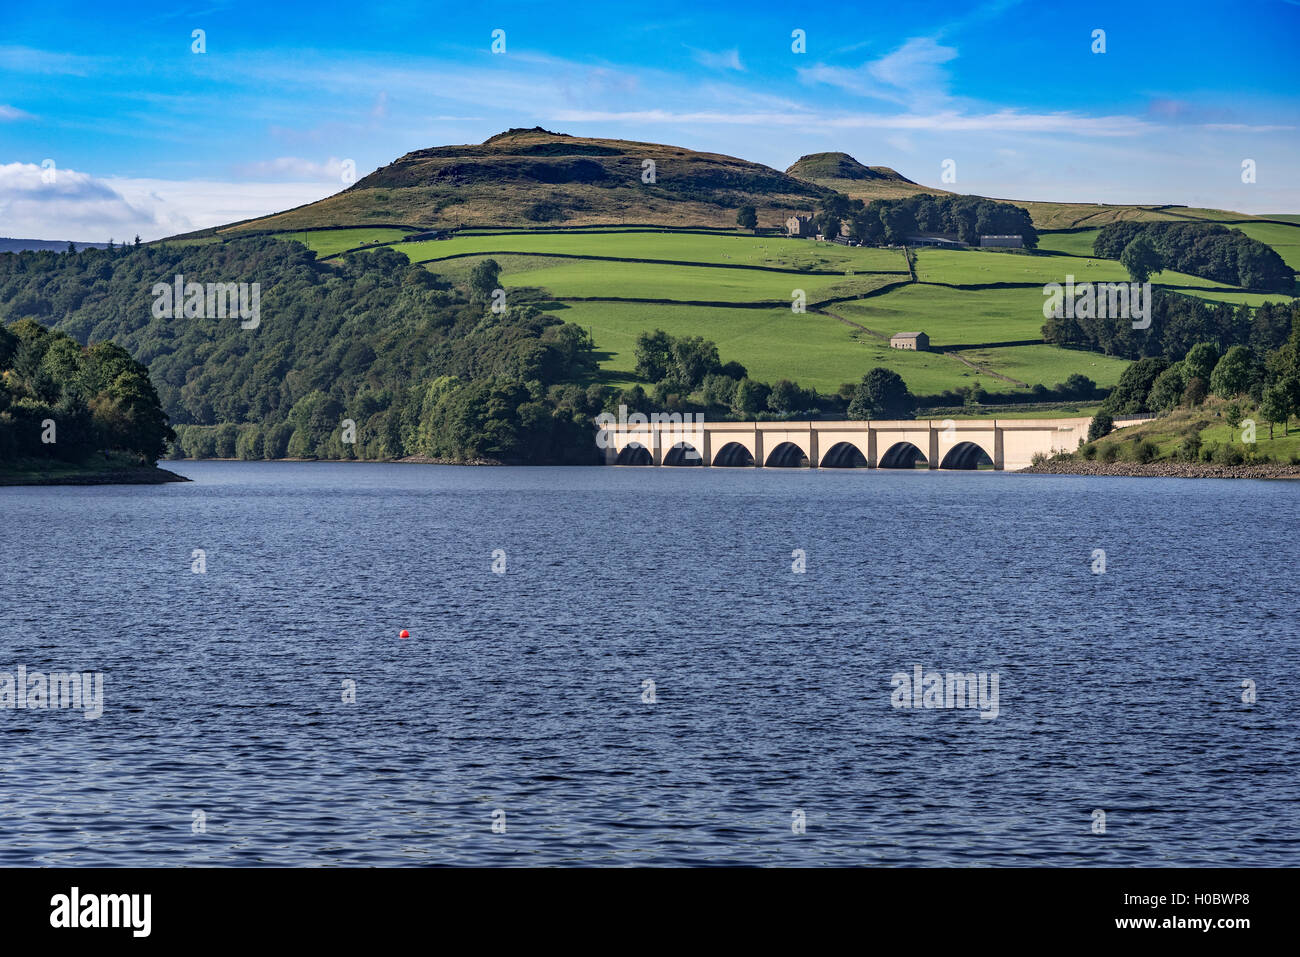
(932, 443)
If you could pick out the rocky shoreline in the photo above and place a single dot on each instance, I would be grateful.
(1164, 469)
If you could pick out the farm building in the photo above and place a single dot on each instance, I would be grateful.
(1009, 242)
(933, 241)
(800, 226)
(917, 341)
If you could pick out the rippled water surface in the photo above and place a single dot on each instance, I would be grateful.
(523, 692)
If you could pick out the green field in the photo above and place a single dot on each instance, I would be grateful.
(1285, 239)
(1047, 364)
(793, 254)
(330, 242)
(820, 350)
(972, 266)
(1235, 298)
(629, 280)
(811, 349)
(1073, 244)
(951, 316)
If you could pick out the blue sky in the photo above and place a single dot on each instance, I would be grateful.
(149, 137)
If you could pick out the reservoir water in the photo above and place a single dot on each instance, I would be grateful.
(616, 666)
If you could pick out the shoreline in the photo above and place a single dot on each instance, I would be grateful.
(1189, 470)
(1082, 467)
(138, 475)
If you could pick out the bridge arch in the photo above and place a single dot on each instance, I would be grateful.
(634, 453)
(683, 453)
(733, 455)
(844, 455)
(966, 455)
(787, 455)
(903, 455)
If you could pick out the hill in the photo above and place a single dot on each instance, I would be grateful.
(844, 174)
(53, 245)
(534, 177)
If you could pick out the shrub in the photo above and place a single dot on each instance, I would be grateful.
(1190, 450)
(1102, 425)
(1195, 392)
(1089, 452)
(1108, 453)
(1146, 451)
(1228, 455)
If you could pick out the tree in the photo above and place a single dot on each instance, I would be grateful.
(1167, 390)
(694, 357)
(1291, 386)
(1201, 360)
(1140, 259)
(1079, 386)
(866, 228)
(1276, 407)
(719, 389)
(653, 354)
(1195, 392)
(1131, 394)
(484, 278)
(786, 397)
(1101, 425)
(747, 217)
(750, 396)
(882, 394)
(1233, 374)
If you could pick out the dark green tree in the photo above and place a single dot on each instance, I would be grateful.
(1140, 259)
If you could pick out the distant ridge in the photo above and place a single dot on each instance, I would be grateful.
(57, 245)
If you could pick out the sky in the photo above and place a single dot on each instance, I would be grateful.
(113, 124)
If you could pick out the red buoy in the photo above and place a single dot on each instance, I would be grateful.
(404, 634)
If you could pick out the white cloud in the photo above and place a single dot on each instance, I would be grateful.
(912, 75)
(720, 60)
(78, 206)
(296, 168)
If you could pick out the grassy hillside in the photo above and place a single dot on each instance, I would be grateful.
(1048, 215)
(534, 177)
(1207, 429)
(576, 231)
(982, 309)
